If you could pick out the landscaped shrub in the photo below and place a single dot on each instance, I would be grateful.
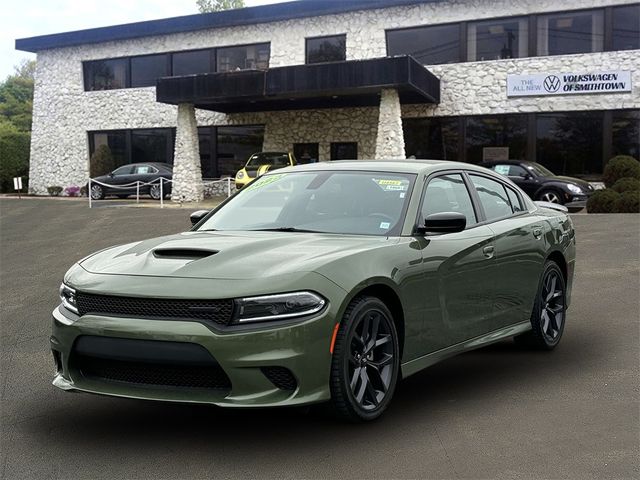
(54, 190)
(619, 167)
(626, 184)
(102, 162)
(14, 158)
(629, 202)
(83, 191)
(603, 201)
(72, 190)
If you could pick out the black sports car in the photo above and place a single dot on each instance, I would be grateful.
(543, 185)
(124, 180)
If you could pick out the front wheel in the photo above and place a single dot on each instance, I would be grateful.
(96, 192)
(366, 361)
(551, 196)
(549, 311)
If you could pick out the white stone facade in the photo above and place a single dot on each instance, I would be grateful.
(63, 112)
(390, 139)
(187, 175)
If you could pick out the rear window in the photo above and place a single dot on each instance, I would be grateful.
(275, 159)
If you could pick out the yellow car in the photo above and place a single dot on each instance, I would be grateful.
(260, 163)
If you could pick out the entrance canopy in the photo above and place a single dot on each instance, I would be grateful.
(324, 85)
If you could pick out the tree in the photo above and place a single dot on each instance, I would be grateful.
(16, 96)
(206, 6)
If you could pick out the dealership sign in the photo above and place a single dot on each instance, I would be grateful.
(568, 83)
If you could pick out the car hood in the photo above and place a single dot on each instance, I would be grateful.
(228, 255)
(586, 186)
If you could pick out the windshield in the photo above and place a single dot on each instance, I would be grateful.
(539, 169)
(361, 203)
(277, 159)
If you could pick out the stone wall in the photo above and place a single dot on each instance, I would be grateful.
(63, 112)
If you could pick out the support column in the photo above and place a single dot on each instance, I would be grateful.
(390, 139)
(187, 173)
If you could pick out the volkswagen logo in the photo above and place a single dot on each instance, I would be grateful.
(551, 83)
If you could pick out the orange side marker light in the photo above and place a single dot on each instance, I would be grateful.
(333, 338)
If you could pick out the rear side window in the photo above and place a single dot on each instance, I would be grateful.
(493, 197)
(143, 169)
(448, 193)
(514, 199)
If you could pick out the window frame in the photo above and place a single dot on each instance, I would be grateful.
(317, 37)
(524, 17)
(239, 45)
(505, 185)
(462, 38)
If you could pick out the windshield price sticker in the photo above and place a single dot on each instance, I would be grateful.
(390, 185)
(501, 169)
(264, 181)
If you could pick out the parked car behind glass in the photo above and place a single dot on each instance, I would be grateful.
(129, 175)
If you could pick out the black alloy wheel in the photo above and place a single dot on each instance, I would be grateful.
(366, 361)
(549, 312)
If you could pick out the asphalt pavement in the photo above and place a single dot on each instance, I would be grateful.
(498, 412)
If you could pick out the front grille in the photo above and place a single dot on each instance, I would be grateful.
(218, 311)
(281, 377)
(152, 374)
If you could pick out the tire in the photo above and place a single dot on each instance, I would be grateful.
(154, 192)
(374, 375)
(549, 310)
(97, 192)
(551, 196)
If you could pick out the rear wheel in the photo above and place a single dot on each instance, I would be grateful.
(154, 192)
(549, 310)
(366, 361)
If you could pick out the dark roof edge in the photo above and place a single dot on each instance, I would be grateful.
(228, 18)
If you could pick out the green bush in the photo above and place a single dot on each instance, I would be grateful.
(618, 167)
(629, 202)
(14, 158)
(54, 190)
(603, 201)
(102, 162)
(627, 184)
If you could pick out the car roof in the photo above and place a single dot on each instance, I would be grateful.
(508, 162)
(388, 166)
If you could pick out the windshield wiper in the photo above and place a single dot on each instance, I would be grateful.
(285, 229)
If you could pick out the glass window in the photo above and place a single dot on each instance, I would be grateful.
(108, 150)
(434, 138)
(344, 151)
(492, 196)
(571, 32)
(507, 131)
(105, 74)
(306, 152)
(509, 170)
(144, 170)
(514, 199)
(448, 194)
(235, 146)
(188, 63)
(626, 27)
(147, 69)
(205, 146)
(126, 170)
(274, 159)
(498, 39)
(247, 57)
(327, 49)
(570, 143)
(152, 145)
(360, 203)
(430, 45)
(626, 133)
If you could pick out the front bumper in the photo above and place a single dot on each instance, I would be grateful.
(301, 348)
(576, 202)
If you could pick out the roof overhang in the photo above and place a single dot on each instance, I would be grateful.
(325, 85)
(188, 23)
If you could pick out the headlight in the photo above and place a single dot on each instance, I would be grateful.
(574, 188)
(68, 298)
(240, 175)
(277, 307)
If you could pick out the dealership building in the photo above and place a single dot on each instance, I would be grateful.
(467, 80)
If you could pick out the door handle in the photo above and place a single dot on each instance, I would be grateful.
(488, 251)
(537, 232)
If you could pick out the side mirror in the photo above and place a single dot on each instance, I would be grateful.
(197, 216)
(444, 222)
(527, 176)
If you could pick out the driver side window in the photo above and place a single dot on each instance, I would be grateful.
(126, 170)
(448, 193)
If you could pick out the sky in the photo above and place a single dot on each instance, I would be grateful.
(28, 18)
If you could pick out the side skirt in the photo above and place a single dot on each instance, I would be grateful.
(432, 358)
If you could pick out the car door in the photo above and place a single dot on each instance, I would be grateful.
(121, 177)
(457, 267)
(518, 250)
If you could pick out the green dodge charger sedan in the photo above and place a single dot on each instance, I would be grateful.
(326, 282)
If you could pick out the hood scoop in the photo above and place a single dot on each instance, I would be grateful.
(182, 253)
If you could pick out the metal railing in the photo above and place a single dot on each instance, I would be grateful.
(158, 181)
